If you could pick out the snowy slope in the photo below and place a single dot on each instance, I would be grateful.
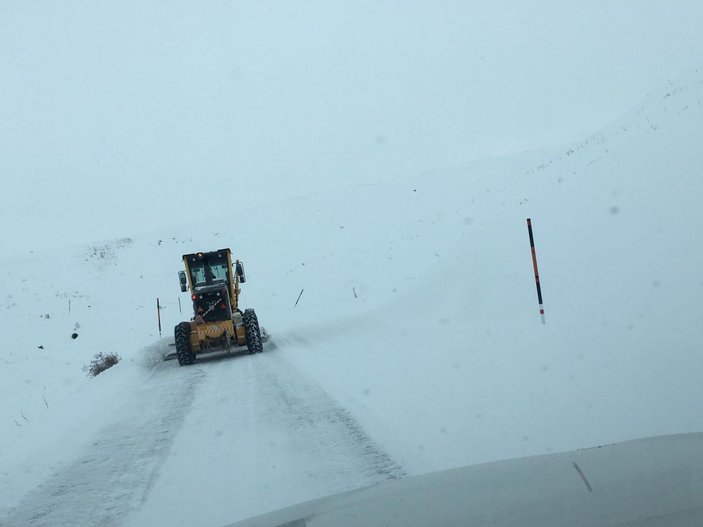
(416, 344)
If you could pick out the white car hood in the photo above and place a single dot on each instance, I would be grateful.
(642, 483)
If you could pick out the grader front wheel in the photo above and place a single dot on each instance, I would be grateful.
(253, 333)
(183, 348)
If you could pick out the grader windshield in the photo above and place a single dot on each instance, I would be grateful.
(208, 268)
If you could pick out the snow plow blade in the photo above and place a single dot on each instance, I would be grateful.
(171, 354)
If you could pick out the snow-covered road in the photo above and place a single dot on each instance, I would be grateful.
(116, 467)
(184, 437)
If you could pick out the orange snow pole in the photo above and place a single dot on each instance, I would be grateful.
(534, 265)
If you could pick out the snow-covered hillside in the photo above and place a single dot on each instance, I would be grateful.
(416, 344)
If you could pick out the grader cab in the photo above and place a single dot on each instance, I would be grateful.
(217, 324)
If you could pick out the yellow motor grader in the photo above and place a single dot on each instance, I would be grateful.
(217, 324)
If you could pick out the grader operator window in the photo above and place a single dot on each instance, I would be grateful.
(208, 270)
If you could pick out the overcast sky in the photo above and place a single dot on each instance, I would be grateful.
(119, 117)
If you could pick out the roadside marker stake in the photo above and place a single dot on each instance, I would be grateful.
(534, 265)
(301, 294)
(158, 314)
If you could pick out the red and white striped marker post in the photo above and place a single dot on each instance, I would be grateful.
(534, 264)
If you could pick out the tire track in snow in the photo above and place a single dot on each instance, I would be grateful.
(260, 435)
(114, 474)
(321, 427)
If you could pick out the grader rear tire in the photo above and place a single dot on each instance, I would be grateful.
(253, 333)
(183, 348)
